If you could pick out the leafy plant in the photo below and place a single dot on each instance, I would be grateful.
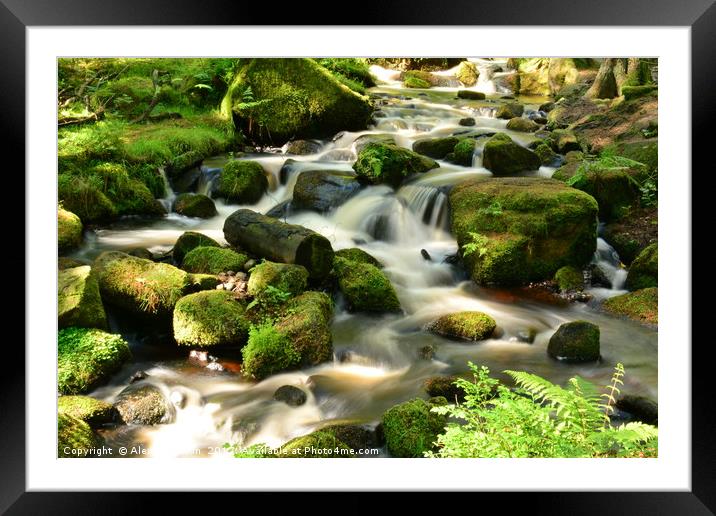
(539, 419)
(477, 245)
(495, 208)
(270, 297)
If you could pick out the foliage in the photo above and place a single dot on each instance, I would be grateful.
(270, 297)
(539, 419)
(268, 351)
(477, 244)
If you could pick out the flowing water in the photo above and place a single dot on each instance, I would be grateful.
(379, 361)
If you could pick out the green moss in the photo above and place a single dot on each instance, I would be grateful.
(92, 411)
(642, 151)
(141, 286)
(411, 429)
(640, 305)
(194, 205)
(526, 228)
(467, 73)
(87, 357)
(353, 72)
(436, 148)
(355, 254)
(644, 271)
(386, 163)
(634, 92)
(316, 445)
(465, 325)
(463, 152)
(75, 438)
(576, 341)
(275, 100)
(365, 287)
(69, 230)
(202, 282)
(412, 81)
(213, 260)
(83, 197)
(564, 141)
(210, 318)
(502, 156)
(285, 277)
(545, 153)
(509, 110)
(268, 351)
(188, 241)
(524, 125)
(241, 182)
(470, 95)
(569, 278)
(78, 299)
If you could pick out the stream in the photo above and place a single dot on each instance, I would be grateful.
(379, 361)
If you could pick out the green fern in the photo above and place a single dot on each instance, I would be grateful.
(478, 244)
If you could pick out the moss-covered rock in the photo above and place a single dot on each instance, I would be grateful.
(188, 241)
(300, 337)
(213, 260)
(242, 182)
(365, 287)
(510, 110)
(322, 190)
(412, 81)
(576, 341)
(467, 73)
(92, 411)
(564, 141)
(144, 404)
(210, 318)
(545, 153)
(286, 277)
(436, 148)
(194, 205)
(634, 92)
(524, 125)
(386, 163)
(275, 100)
(316, 445)
(569, 278)
(470, 95)
(464, 325)
(644, 151)
(521, 229)
(411, 428)
(64, 262)
(75, 438)
(87, 357)
(463, 152)
(143, 287)
(640, 305)
(69, 231)
(644, 271)
(355, 254)
(502, 156)
(444, 386)
(200, 282)
(78, 299)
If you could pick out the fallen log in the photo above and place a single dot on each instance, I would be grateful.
(277, 241)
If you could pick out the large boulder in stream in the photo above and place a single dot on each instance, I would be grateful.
(515, 230)
(576, 341)
(323, 190)
(640, 305)
(509, 110)
(78, 299)
(210, 318)
(411, 429)
(194, 205)
(386, 163)
(87, 357)
(293, 98)
(300, 336)
(274, 240)
(365, 287)
(504, 157)
(464, 325)
(242, 182)
(188, 241)
(644, 271)
(436, 148)
(524, 125)
(69, 231)
(286, 277)
(144, 404)
(213, 260)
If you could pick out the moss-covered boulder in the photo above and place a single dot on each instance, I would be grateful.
(142, 287)
(92, 411)
(194, 205)
(365, 287)
(470, 95)
(564, 141)
(200, 282)
(75, 438)
(640, 305)
(144, 404)
(510, 110)
(523, 125)
(63, 262)
(78, 299)
(87, 357)
(515, 230)
(213, 260)
(316, 445)
(411, 429)
(412, 81)
(545, 153)
(210, 318)
(242, 182)
(323, 190)
(569, 278)
(576, 341)
(463, 152)
(634, 92)
(502, 156)
(286, 277)
(386, 163)
(276, 100)
(299, 337)
(644, 271)
(69, 231)
(615, 187)
(436, 148)
(464, 325)
(188, 241)
(444, 386)
(467, 73)
(355, 254)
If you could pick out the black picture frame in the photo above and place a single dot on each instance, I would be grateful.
(699, 15)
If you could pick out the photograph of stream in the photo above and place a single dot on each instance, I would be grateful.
(357, 257)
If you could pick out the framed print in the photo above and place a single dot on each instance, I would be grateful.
(432, 243)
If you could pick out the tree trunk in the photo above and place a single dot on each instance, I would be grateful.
(274, 240)
(613, 74)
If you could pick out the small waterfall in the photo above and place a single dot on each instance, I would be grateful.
(428, 203)
(607, 261)
(169, 195)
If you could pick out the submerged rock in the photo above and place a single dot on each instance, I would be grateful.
(290, 395)
(464, 325)
(467, 122)
(502, 156)
(78, 299)
(576, 341)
